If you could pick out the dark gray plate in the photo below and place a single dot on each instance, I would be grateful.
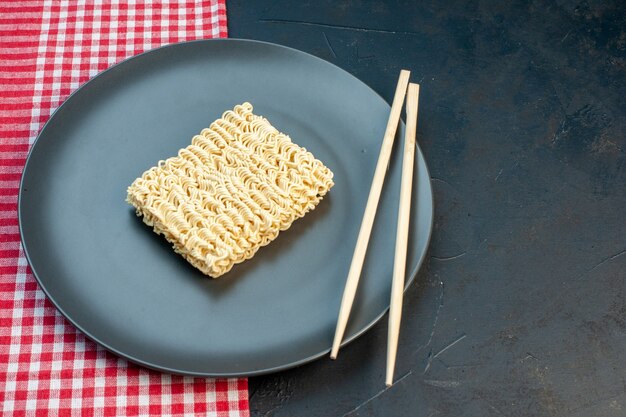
(124, 287)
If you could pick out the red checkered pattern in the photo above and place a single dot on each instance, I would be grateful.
(47, 49)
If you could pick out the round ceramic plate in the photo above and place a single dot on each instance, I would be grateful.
(125, 288)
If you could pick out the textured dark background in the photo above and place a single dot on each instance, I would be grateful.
(519, 309)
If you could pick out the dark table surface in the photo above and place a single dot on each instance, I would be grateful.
(519, 309)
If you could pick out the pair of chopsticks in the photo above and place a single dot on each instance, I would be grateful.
(397, 286)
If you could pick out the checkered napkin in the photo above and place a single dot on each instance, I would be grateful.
(47, 49)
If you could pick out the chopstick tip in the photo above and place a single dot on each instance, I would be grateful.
(334, 351)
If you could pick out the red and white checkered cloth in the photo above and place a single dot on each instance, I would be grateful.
(47, 49)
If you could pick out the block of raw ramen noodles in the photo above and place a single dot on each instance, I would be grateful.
(230, 192)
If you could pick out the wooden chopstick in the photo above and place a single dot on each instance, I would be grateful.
(370, 211)
(402, 236)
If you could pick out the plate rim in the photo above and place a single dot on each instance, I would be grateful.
(409, 279)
